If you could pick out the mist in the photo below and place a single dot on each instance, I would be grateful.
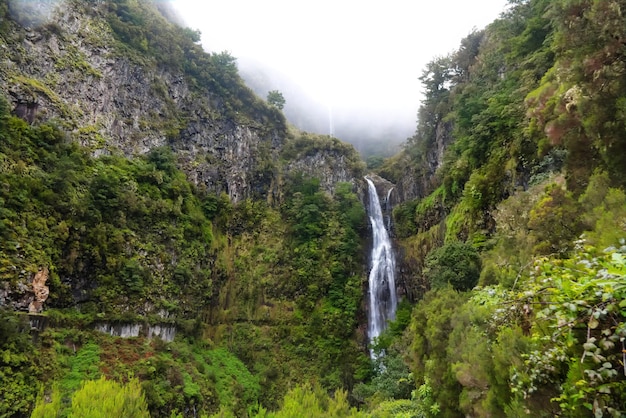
(372, 130)
(349, 69)
(33, 14)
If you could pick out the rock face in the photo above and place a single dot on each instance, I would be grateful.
(67, 66)
(108, 102)
(165, 332)
(40, 291)
(419, 180)
(27, 295)
(331, 167)
(385, 190)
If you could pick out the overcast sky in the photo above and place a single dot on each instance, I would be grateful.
(364, 54)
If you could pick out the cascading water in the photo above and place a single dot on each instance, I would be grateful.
(382, 283)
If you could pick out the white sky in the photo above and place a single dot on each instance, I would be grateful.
(365, 54)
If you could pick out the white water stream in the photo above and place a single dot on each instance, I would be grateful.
(383, 300)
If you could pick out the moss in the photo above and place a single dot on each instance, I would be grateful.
(75, 61)
(458, 223)
(35, 87)
(431, 210)
(90, 137)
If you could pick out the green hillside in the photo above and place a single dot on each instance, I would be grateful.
(171, 247)
(530, 176)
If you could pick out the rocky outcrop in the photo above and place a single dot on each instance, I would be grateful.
(165, 332)
(28, 294)
(330, 167)
(419, 180)
(40, 291)
(385, 190)
(108, 102)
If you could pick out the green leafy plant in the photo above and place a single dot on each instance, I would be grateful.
(98, 398)
(456, 264)
(582, 324)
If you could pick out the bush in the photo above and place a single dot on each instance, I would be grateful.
(457, 264)
(99, 398)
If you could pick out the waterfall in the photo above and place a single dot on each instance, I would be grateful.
(382, 283)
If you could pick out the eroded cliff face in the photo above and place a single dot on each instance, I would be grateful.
(331, 166)
(28, 294)
(417, 181)
(386, 191)
(67, 66)
(68, 70)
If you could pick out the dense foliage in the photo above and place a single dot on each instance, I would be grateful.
(518, 153)
(455, 264)
(19, 366)
(514, 260)
(109, 219)
(554, 347)
(133, 241)
(100, 398)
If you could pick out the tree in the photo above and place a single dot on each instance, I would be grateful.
(457, 264)
(577, 334)
(19, 370)
(193, 34)
(99, 398)
(276, 99)
(314, 402)
(555, 221)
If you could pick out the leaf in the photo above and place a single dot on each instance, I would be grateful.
(589, 345)
(618, 258)
(607, 344)
(593, 323)
(598, 410)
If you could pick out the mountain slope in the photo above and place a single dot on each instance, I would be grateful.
(518, 157)
(147, 193)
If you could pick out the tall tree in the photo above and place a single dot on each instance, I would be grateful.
(276, 99)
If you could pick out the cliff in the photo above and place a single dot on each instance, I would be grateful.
(150, 204)
(223, 286)
(122, 81)
(75, 63)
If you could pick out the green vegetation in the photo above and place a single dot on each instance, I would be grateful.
(100, 398)
(111, 219)
(20, 366)
(551, 347)
(455, 264)
(144, 35)
(514, 259)
(262, 297)
(307, 401)
(527, 195)
(275, 98)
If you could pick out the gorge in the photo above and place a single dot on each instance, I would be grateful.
(169, 240)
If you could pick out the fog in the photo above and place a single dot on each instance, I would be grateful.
(348, 68)
(33, 13)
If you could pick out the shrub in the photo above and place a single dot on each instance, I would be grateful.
(457, 264)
